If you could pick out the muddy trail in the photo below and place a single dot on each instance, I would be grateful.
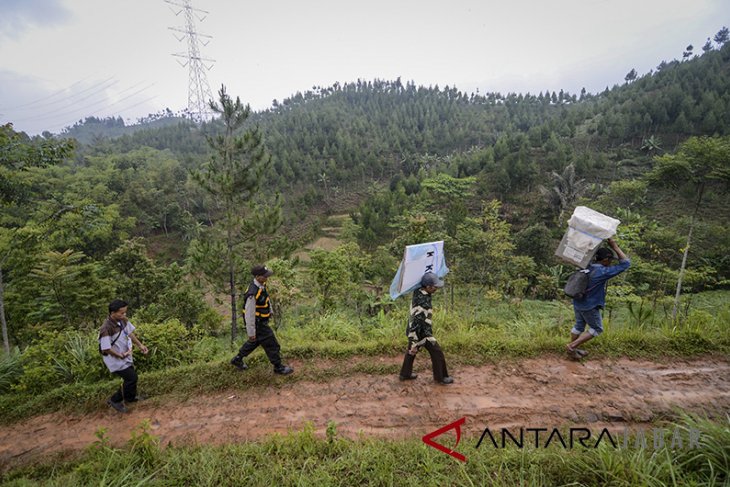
(549, 391)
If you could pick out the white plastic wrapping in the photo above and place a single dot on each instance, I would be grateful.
(417, 260)
(586, 230)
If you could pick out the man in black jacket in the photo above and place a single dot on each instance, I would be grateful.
(257, 311)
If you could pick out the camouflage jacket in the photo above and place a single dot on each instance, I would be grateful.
(419, 322)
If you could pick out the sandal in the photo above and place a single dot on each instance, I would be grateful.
(573, 353)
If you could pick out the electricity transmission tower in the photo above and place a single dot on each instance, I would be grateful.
(199, 93)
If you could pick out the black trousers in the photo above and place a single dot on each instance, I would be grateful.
(129, 387)
(438, 362)
(264, 337)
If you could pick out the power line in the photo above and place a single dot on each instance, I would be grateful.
(71, 107)
(79, 110)
(65, 108)
(70, 103)
(45, 97)
(98, 87)
(137, 104)
(68, 121)
(69, 100)
(123, 109)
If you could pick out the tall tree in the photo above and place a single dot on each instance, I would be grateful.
(18, 153)
(483, 247)
(688, 52)
(708, 46)
(722, 36)
(699, 162)
(630, 76)
(449, 195)
(232, 177)
(69, 289)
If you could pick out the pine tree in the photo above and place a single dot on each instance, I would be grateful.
(630, 76)
(233, 177)
(722, 36)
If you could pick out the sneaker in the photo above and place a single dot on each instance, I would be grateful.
(410, 377)
(238, 363)
(119, 406)
(581, 353)
(283, 370)
(447, 380)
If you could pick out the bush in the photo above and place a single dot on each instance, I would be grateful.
(211, 321)
(10, 370)
(170, 343)
(183, 303)
(57, 358)
(546, 287)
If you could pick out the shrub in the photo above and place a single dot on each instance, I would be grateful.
(546, 287)
(170, 343)
(211, 321)
(57, 358)
(10, 370)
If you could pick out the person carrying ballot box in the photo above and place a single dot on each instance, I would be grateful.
(588, 307)
(420, 334)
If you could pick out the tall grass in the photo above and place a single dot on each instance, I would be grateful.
(304, 458)
(498, 329)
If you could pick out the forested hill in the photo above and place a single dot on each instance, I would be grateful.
(329, 143)
(369, 130)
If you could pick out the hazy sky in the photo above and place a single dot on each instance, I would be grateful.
(63, 60)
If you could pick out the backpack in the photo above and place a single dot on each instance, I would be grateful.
(577, 285)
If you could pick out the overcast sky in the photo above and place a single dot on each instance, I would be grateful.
(63, 60)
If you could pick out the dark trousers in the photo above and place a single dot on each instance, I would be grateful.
(264, 337)
(438, 362)
(129, 387)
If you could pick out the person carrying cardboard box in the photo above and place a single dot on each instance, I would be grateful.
(588, 308)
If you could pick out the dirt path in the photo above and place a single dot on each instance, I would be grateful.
(547, 392)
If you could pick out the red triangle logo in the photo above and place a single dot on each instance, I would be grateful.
(428, 439)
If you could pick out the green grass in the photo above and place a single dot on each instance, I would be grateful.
(303, 458)
(471, 335)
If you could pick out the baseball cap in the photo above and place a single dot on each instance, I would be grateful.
(261, 270)
(431, 279)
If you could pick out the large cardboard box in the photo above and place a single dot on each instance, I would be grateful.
(587, 228)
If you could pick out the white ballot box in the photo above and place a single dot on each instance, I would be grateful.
(586, 230)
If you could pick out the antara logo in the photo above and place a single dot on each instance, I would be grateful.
(575, 436)
(428, 439)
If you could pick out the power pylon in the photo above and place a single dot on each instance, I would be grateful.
(199, 93)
